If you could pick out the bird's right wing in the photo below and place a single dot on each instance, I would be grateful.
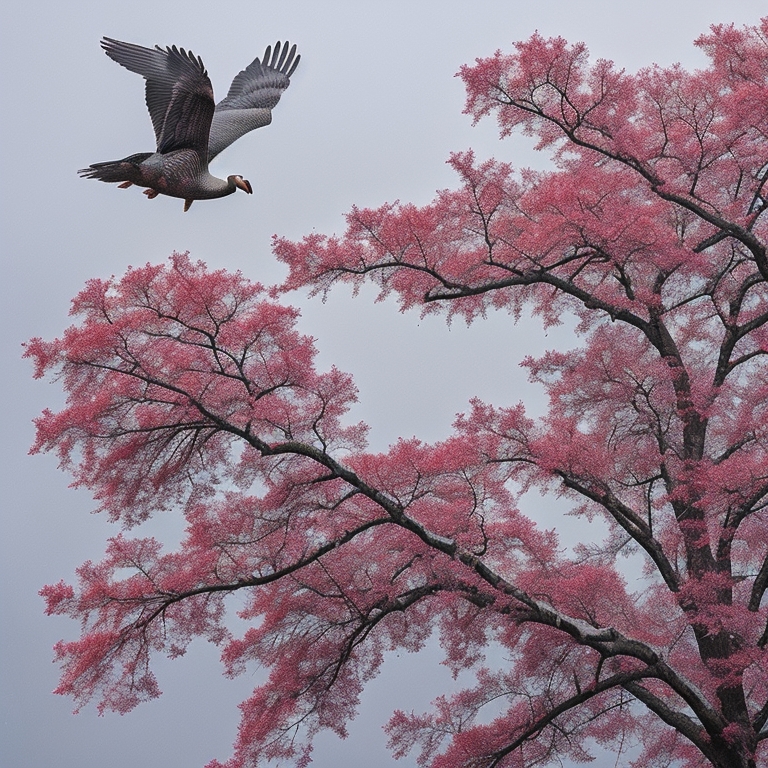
(179, 93)
(252, 96)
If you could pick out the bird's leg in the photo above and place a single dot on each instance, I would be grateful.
(151, 193)
(125, 185)
(188, 205)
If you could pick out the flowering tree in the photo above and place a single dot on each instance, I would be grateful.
(191, 389)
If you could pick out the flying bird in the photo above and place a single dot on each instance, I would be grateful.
(190, 129)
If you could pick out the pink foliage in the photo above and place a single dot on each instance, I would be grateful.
(192, 390)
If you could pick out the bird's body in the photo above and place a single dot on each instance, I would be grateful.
(179, 173)
(189, 129)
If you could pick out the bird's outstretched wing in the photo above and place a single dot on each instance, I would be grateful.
(179, 92)
(252, 96)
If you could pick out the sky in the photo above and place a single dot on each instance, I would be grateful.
(371, 116)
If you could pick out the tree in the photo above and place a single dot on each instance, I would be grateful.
(191, 389)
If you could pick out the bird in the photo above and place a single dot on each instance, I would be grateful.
(190, 129)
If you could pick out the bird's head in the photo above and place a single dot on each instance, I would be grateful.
(241, 183)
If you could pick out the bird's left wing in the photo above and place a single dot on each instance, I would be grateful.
(253, 95)
(178, 92)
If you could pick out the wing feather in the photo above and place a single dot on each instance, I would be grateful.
(254, 93)
(179, 94)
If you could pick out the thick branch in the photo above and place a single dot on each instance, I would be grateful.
(632, 523)
(677, 720)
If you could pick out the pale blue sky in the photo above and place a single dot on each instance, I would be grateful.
(371, 115)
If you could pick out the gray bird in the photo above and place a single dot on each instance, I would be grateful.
(190, 131)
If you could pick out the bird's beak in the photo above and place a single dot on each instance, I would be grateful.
(244, 184)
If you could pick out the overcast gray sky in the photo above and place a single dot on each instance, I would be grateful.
(371, 116)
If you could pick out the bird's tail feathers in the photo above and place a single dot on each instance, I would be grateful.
(116, 171)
